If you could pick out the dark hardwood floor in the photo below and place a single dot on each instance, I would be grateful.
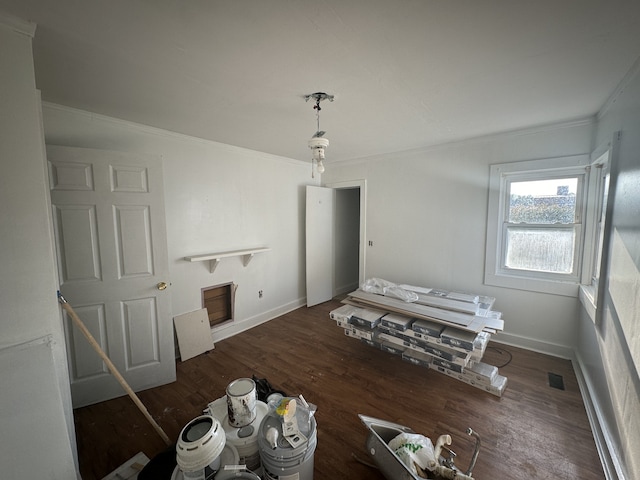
(533, 431)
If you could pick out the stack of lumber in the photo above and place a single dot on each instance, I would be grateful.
(444, 331)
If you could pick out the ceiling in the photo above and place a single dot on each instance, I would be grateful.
(406, 74)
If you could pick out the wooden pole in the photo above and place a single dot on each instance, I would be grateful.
(112, 367)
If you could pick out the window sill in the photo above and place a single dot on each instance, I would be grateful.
(587, 295)
(566, 289)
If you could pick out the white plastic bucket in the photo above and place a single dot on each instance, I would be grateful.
(241, 402)
(245, 439)
(199, 445)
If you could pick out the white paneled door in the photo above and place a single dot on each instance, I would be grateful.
(109, 221)
(319, 244)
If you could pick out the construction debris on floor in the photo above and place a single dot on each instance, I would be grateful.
(399, 452)
(130, 469)
(442, 330)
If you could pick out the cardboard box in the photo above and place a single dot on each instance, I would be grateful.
(441, 362)
(366, 317)
(343, 323)
(497, 386)
(396, 340)
(421, 338)
(396, 321)
(342, 313)
(427, 327)
(458, 338)
(443, 352)
(357, 332)
(481, 372)
(372, 343)
(417, 358)
(391, 348)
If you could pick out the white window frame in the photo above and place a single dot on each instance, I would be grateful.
(495, 272)
(599, 213)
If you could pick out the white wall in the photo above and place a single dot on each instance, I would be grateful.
(38, 439)
(217, 198)
(427, 216)
(609, 353)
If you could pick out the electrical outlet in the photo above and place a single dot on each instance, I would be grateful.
(260, 293)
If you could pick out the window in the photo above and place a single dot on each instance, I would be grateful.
(598, 218)
(542, 224)
(536, 230)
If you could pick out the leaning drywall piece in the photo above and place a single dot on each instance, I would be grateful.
(194, 333)
(32, 414)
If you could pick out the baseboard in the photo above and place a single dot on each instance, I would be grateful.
(233, 328)
(554, 349)
(611, 464)
(346, 289)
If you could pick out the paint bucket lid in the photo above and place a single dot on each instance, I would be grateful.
(283, 449)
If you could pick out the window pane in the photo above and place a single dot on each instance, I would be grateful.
(542, 250)
(543, 201)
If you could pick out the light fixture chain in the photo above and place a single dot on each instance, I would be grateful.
(318, 143)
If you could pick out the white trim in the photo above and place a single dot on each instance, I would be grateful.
(613, 98)
(587, 296)
(593, 295)
(534, 345)
(611, 464)
(233, 328)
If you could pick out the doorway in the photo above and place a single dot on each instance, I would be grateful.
(347, 240)
(351, 201)
(335, 231)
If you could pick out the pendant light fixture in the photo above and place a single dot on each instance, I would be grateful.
(318, 143)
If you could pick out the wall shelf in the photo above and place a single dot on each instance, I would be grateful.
(214, 258)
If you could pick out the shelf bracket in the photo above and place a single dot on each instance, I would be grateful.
(213, 263)
(247, 258)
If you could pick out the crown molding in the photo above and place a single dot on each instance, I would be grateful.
(613, 98)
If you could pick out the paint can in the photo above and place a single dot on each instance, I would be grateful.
(284, 462)
(241, 402)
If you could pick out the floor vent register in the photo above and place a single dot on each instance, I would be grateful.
(442, 330)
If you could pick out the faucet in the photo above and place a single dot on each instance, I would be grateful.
(449, 462)
(476, 450)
